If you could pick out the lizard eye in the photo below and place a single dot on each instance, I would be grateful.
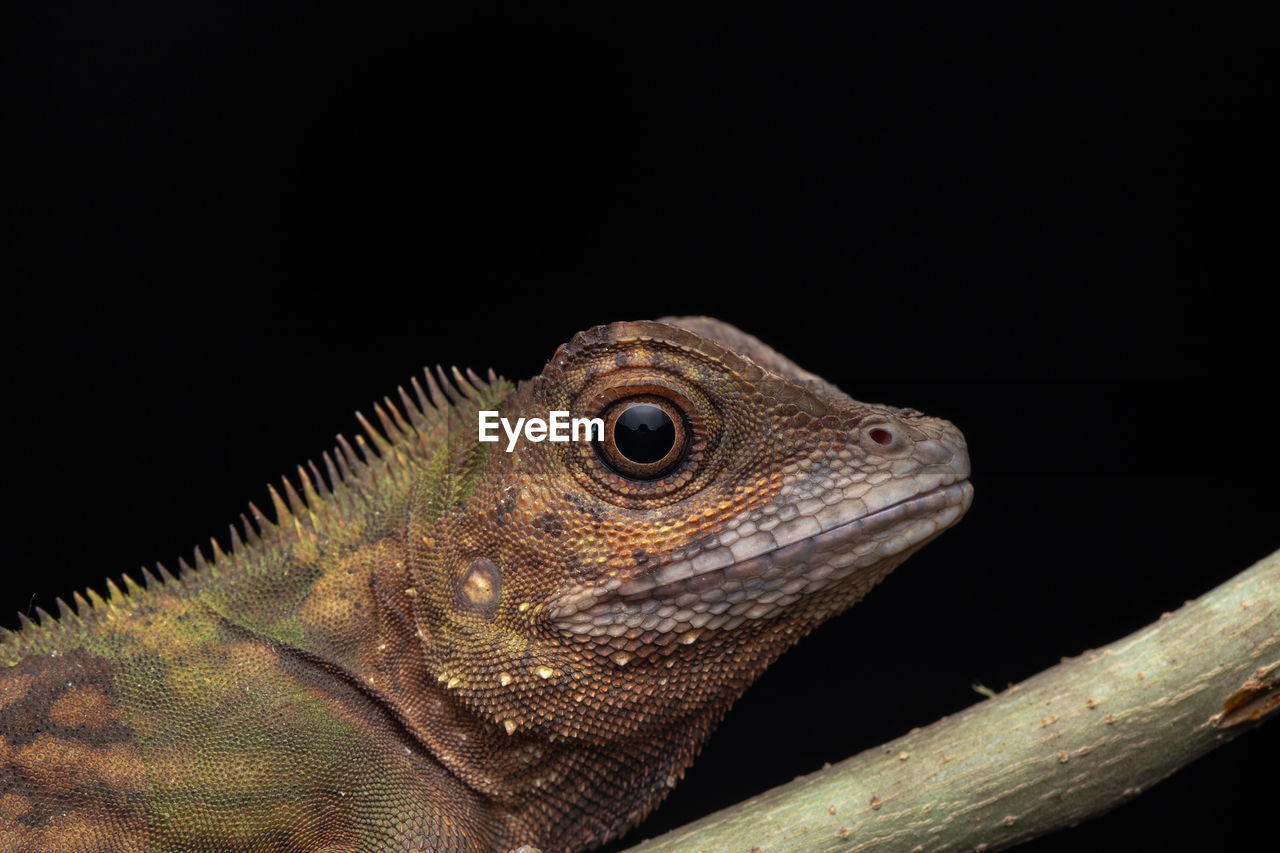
(660, 431)
(644, 437)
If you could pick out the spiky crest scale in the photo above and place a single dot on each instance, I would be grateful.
(131, 586)
(401, 425)
(381, 444)
(353, 474)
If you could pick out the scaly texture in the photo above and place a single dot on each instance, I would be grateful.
(452, 647)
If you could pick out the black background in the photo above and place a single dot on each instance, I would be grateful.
(235, 224)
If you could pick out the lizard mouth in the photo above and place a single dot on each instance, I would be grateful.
(762, 573)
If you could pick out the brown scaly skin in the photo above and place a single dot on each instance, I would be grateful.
(461, 648)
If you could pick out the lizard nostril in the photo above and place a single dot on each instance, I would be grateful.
(881, 436)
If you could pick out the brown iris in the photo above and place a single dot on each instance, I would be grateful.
(644, 437)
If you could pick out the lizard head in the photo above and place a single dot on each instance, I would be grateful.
(597, 589)
(590, 609)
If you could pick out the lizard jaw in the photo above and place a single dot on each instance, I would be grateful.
(761, 574)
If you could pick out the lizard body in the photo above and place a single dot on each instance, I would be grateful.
(441, 645)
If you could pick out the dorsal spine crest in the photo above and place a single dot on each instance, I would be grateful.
(352, 473)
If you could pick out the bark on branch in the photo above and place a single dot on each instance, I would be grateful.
(1067, 744)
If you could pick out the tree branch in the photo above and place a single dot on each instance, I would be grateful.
(1067, 744)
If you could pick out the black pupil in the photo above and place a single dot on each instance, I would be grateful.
(644, 434)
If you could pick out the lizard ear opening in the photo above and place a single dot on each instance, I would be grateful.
(480, 585)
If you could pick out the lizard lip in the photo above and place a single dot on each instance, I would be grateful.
(769, 570)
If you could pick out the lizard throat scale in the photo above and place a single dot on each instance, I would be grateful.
(436, 646)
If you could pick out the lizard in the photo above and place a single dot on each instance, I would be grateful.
(437, 644)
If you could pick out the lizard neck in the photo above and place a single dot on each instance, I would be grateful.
(547, 785)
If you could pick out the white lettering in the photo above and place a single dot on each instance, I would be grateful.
(488, 422)
(512, 434)
(591, 425)
(557, 426)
